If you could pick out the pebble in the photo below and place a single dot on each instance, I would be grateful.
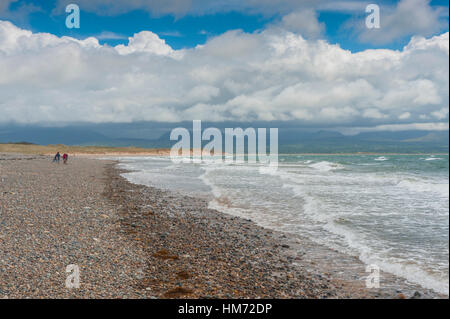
(144, 242)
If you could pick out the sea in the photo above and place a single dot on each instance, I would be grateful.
(391, 210)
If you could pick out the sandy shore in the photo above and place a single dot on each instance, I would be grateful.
(50, 150)
(132, 241)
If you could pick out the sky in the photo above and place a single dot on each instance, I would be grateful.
(310, 61)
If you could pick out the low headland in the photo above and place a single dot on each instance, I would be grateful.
(28, 148)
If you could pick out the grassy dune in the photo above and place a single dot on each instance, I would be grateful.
(78, 150)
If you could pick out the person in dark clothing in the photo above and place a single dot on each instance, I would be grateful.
(57, 157)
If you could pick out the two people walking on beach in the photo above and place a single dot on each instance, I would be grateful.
(58, 156)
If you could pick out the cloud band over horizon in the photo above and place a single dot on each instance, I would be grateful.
(269, 75)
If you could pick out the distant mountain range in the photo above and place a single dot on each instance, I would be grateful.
(291, 140)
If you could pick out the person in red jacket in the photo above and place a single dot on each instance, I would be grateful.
(65, 158)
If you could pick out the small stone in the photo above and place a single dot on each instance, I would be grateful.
(417, 295)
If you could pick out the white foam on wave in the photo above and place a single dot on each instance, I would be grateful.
(139, 178)
(270, 170)
(433, 159)
(326, 166)
(139, 158)
(407, 269)
(410, 271)
(297, 177)
(420, 186)
(360, 245)
(381, 158)
(216, 191)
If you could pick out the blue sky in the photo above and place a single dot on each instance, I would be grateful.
(194, 27)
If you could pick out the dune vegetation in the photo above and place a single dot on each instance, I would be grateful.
(28, 148)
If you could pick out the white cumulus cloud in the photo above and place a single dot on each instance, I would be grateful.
(237, 76)
(304, 22)
(406, 18)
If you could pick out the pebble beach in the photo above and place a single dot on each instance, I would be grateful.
(134, 241)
